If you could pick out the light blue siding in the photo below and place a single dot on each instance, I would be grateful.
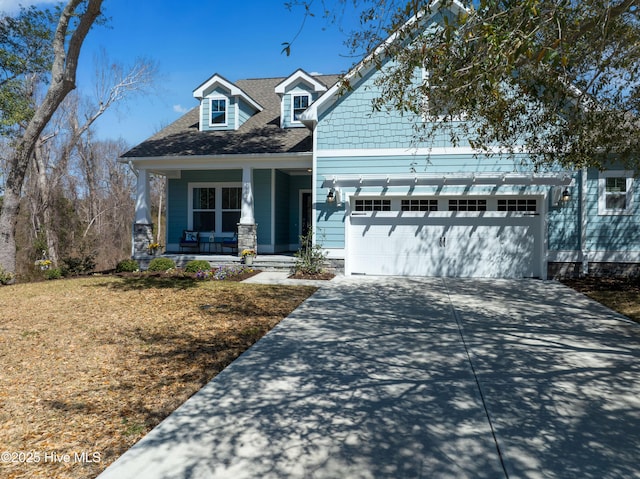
(244, 112)
(262, 204)
(178, 197)
(330, 218)
(351, 123)
(296, 184)
(287, 100)
(282, 212)
(206, 110)
(564, 222)
(611, 232)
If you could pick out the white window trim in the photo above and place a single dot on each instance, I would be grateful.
(602, 188)
(293, 96)
(226, 110)
(218, 209)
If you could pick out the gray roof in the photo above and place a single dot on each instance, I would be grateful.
(261, 134)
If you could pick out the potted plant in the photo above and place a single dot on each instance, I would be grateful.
(153, 248)
(248, 255)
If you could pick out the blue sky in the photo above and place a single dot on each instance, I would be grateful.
(193, 39)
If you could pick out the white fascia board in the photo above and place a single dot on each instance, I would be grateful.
(214, 162)
(298, 75)
(311, 115)
(376, 152)
(216, 79)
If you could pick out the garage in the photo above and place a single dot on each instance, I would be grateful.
(492, 237)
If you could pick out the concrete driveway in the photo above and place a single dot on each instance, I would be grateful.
(416, 378)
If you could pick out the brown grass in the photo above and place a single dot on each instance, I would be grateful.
(619, 294)
(91, 365)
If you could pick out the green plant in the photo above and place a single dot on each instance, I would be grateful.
(43, 264)
(77, 265)
(53, 273)
(161, 264)
(127, 266)
(310, 258)
(6, 277)
(197, 265)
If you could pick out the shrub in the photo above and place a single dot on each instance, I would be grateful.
(76, 265)
(310, 258)
(161, 264)
(6, 277)
(197, 265)
(53, 273)
(127, 266)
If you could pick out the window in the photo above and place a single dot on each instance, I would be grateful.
(204, 209)
(218, 111)
(518, 205)
(215, 207)
(419, 205)
(231, 205)
(373, 205)
(467, 205)
(615, 193)
(300, 104)
(615, 189)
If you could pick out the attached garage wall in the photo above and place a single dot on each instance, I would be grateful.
(446, 236)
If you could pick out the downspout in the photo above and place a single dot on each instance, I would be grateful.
(583, 221)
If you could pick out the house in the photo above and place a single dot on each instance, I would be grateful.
(264, 159)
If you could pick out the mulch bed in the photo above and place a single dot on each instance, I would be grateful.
(620, 294)
(320, 276)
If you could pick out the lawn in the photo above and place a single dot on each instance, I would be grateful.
(91, 365)
(619, 294)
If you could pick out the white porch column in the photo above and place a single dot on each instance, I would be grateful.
(246, 213)
(143, 203)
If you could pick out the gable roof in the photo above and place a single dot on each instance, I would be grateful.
(234, 90)
(300, 75)
(361, 69)
(260, 134)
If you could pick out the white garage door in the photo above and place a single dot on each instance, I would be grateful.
(480, 237)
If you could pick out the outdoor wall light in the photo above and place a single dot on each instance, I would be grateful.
(334, 196)
(560, 196)
(331, 196)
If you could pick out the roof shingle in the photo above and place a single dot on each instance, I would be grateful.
(260, 134)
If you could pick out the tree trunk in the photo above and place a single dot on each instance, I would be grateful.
(63, 78)
(45, 204)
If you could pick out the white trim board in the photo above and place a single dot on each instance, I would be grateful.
(375, 152)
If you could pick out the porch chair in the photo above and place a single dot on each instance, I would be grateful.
(190, 239)
(231, 243)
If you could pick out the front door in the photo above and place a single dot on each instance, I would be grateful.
(306, 209)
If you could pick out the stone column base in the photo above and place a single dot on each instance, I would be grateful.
(247, 237)
(142, 237)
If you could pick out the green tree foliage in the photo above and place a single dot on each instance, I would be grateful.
(75, 20)
(25, 51)
(557, 78)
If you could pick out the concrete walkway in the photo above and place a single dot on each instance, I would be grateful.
(416, 378)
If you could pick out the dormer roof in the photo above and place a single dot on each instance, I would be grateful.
(300, 76)
(219, 81)
(260, 134)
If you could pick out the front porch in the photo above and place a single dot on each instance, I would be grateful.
(264, 262)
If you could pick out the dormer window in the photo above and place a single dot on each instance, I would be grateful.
(300, 104)
(218, 115)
